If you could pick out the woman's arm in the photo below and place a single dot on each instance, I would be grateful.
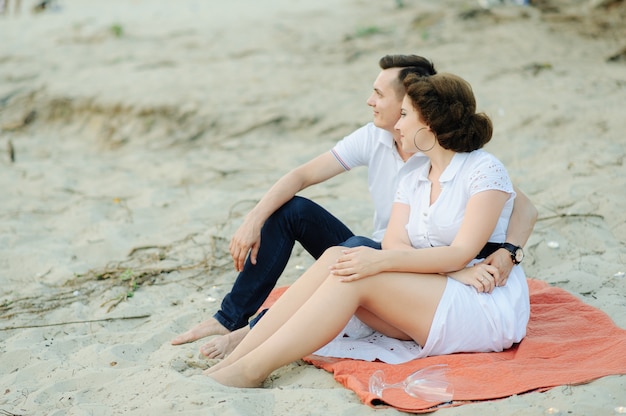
(481, 216)
(396, 236)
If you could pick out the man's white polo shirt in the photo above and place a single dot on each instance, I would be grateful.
(375, 148)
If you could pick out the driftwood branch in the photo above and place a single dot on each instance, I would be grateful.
(75, 322)
(7, 413)
(551, 217)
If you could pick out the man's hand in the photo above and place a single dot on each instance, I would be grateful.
(356, 263)
(247, 239)
(481, 276)
(500, 259)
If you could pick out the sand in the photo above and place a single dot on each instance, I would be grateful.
(136, 134)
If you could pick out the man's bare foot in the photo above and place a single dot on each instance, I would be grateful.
(209, 327)
(220, 347)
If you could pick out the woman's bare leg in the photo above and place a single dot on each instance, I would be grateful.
(381, 326)
(407, 301)
(284, 307)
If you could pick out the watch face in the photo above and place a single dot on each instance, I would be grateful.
(519, 255)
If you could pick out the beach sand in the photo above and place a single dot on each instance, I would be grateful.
(136, 134)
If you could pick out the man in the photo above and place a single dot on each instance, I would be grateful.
(262, 245)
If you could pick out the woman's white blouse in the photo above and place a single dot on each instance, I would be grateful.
(466, 175)
(466, 320)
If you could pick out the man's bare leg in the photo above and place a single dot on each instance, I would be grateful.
(204, 329)
(221, 346)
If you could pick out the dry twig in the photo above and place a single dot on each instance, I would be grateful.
(75, 322)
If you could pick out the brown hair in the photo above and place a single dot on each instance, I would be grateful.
(447, 105)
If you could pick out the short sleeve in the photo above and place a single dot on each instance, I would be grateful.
(490, 174)
(355, 149)
(402, 193)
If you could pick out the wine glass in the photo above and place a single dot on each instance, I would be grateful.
(429, 384)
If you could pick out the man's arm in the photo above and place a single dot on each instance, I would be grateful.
(247, 238)
(521, 225)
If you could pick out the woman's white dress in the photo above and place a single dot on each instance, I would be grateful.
(465, 320)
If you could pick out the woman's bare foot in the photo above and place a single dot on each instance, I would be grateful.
(234, 376)
(221, 346)
(215, 367)
(209, 327)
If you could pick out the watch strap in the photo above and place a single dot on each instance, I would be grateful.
(512, 248)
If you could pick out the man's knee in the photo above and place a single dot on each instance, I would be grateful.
(357, 241)
(297, 204)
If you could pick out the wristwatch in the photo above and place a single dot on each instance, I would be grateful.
(517, 254)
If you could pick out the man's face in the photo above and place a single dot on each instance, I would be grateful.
(384, 100)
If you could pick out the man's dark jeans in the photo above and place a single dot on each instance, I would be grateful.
(301, 220)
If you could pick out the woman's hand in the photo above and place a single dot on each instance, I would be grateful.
(356, 263)
(482, 276)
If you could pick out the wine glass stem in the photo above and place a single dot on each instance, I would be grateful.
(394, 386)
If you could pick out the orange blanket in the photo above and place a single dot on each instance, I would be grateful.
(567, 342)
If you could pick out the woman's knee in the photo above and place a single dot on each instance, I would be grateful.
(332, 253)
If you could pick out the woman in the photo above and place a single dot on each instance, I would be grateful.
(443, 216)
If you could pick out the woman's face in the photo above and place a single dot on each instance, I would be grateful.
(413, 131)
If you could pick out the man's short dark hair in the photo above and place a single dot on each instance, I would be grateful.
(408, 64)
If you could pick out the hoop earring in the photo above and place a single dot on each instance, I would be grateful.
(417, 147)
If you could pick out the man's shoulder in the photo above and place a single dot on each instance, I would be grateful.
(371, 134)
(364, 146)
(376, 131)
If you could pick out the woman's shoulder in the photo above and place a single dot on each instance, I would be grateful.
(487, 172)
(483, 158)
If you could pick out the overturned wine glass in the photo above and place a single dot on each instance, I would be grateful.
(429, 384)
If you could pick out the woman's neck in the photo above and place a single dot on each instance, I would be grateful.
(440, 158)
